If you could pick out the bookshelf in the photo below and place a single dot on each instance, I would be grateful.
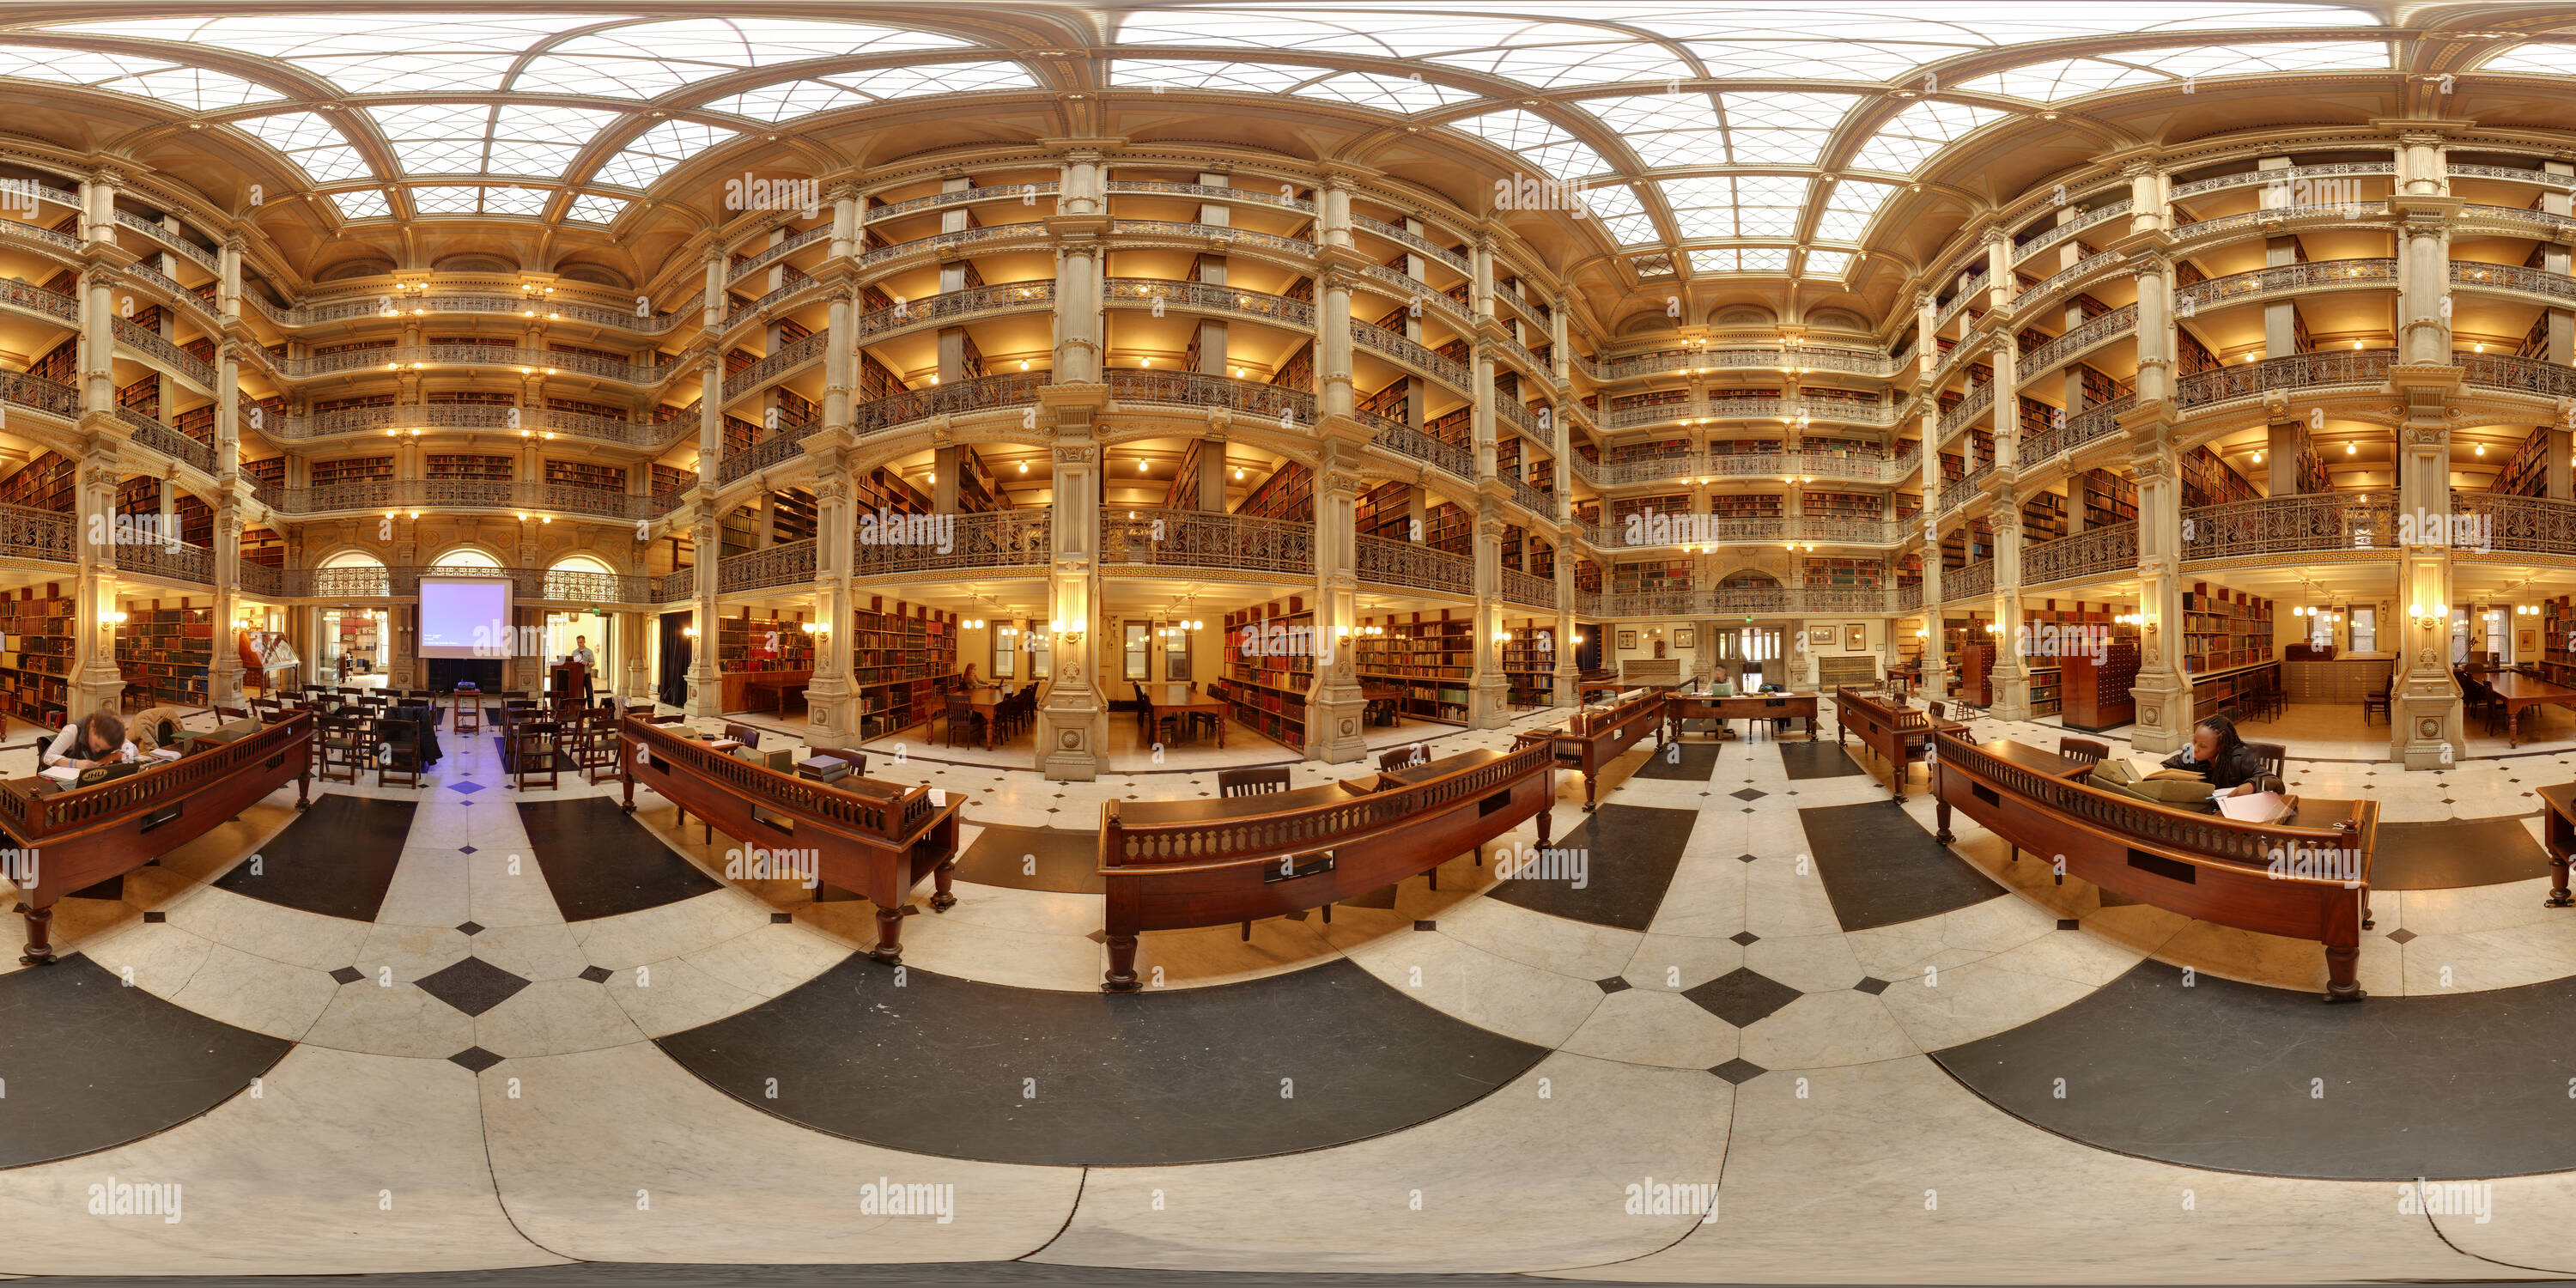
(352, 469)
(666, 479)
(1843, 505)
(606, 478)
(1433, 659)
(1530, 673)
(38, 656)
(1840, 571)
(168, 651)
(2206, 480)
(745, 646)
(1743, 446)
(2224, 630)
(2527, 474)
(1288, 494)
(900, 663)
(46, 483)
(1650, 576)
(1667, 449)
(1449, 528)
(1268, 693)
(1385, 511)
(467, 467)
(2108, 499)
(2043, 518)
(267, 473)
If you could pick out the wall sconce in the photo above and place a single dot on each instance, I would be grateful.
(111, 618)
(2427, 621)
(1578, 637)
(1923, 634)
(689, 632)
(1502, 637)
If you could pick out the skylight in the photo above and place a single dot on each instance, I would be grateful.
(1746, 259)
(1910, 139)
(1747, 205)
(1386, 93)
(1622, 214)
(2547, 59)
(481, 138)
(362, 203)
(444, 199)
(1540, 141)
(659, 150)
(1849, 209)
(311, 142)
(1828, 263)
(595, 208)
(644, 60)
(777, 102)
(194, 88)
(1245, 78)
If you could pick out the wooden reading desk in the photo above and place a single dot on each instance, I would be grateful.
(1690, 704)
(2304, 877)
(1597, 736)
(1170, 865)
(2558, 836)
(81, 836)
(873, 838)
(1899, 734)
(2519, 691)
(1178, 701)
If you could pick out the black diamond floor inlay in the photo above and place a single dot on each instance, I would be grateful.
(472, 985)
(1614, 984)
(1880, 867)
(475, 1059)
(1739, 1071)
(2402, 935)
(336, 859)
(1742, 996)
(1745, 938)
(347, 975)
(597, 974)
(1748, 795)
(1871, 985)
(469, 929)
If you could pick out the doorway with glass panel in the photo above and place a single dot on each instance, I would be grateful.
(1749, 653)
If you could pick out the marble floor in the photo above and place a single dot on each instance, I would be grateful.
(561, 1034)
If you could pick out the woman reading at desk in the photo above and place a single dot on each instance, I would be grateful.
(2218, 754)
(99, 739)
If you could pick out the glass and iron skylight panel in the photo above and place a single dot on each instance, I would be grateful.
(657, 151)
(1911, 138)
(194, 88)
(310, 141)
(1743, 205)
(2551, 59)
(1828, 263)
(530, 141)
(363, 203)
(1386, 93)
(1242, 78)
(1783, 128)
(1740, 259)
(460, 199)
(595, 208)
(365, 53)
(649, 59)
(1538, 140)
(840, 90)
(1622, 214)
(1849, 208)
(2056, 81)
(1975, 23)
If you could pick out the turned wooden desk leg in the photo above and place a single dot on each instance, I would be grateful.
(889, 947)
(40, 938)
(941, 877)
(2558, 896)
(303, 781)
(1587, 789)
(2342, 984)
(1941, 812)
(1122, 965)
(1546, 824)
(2513, 726)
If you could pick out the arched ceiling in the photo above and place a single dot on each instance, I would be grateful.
(1724, 140)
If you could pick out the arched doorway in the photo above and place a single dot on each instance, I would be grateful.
(571, 631)
(349, 645)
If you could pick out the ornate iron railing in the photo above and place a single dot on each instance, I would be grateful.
(1257, 196)
(2093, 218)
(675, 587)
(789, 356)
(1526, 588)
(953, 306)
(1203, 297)
(985, 393)
(1203, 539)
(495, 494)
(2061, 279)
(2095, 552)
(2255, 283)
(167, 441)
(1194, 389)
(781, 445)
(941, 241)
(168, 560)
(2296, 371)
(2298, 524)
(372, 581)
(2252, 178)
(794, 283)
(48, 235)
(36, 299)
(1651, 414)
(1976, 581)
(1957, 492)
(178, 294)
(2081, 428)
(1382, 562)
(1542, 504)
(169, 238)
(939, 200)
(1418, 242)
(2515, 220)
(1213, 232)
(999, 539)
(1415, 292)
(495, 355)
(260, 579)
(169, 353)
(769, 255)
(2558, 287)
(2519, 375)
(2055, 353)
(38, 534)
(1968, 408)
(786, 564)
(2521, 524)
(1408, 441)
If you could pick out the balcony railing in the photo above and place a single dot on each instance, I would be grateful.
(1203, 297)
(984, 393)
(169, 286)
(494, 494)
(477, 355)
(789, 356)
(37, 534)
(1525, 588)
(941, 200)
(772, 254)
(677, 586)
(2297, 371)
(168, 560)
(942, 241)
(1958, 491)
(2519, 375)
(1542, 504)
(167, 441)
(2256, 283)
(2054, 354)
(1203, 539)
(1654, 528)
(1976, 581)
(2093, 218)
(1418, 242)
(2558, 287)
(2520, 524)
(2254, 177)
(2081, 428)
(1405, 440)
(2065, 277)
(1968, 409)
(1213, 232)
(261, 580)
(64, 240)
(170, 354)
(2299, 524)
(2095, 552)
(955, 306)
(1907, 599)
(793, 283)
(36, 299)
(786, 564)
(1194, 389)
(402, 581)
(999, 539)
(1259, 196)
(1382, 562)
(781, 445)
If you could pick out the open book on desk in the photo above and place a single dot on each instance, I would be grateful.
(2257, 807)
(2139, 769)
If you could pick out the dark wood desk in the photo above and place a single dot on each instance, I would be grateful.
(1390, 696)
(1683, 705)
(777, 685)
(2200, 865)
(1179, 702)
(1594, 738)
(1170, 865)
(870, 838)
(2519, 691)
(84, 835)
(986, 703)
(1899, 734)
(2558, 836)
(2037, 760)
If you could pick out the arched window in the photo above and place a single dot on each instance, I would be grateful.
(580, 577)
(465, 557)
(353, 559)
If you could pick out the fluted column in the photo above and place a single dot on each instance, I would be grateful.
(706, 686)
(1333, 345)
(2153, 274)
(1073, 725)
(1560, 343)
(1936, 681)
(95, 683)
(98, 205)
(224, 673)
(1333, 213)
(2010, 675)
(846, 234)
(228, 282)
(710, 416)
(2163, 688)
(1490, 701)
(228, 356)
(832, 702)
(2427, 289)
(2006, 358)
(1335, 709)
(1566, 672)
(2146, 198)
(2427, 731)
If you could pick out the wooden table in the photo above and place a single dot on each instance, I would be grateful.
(2037, 760)
(1899, 734)
(2558, 836)
(1680, 706)
(776, 684)
(1593, 738)
(2519, 691)
(81, 836)
(986, 703)
(1390, 694)
(1174, 864)
(870, 838)
(1179, 701)
(2304, 877)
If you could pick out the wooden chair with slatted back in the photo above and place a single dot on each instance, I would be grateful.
(1405, 757)
(2083, 749)
(1252, 782)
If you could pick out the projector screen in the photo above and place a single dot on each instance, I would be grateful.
(463, 618)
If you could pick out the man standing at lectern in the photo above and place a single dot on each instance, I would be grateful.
(581, 653)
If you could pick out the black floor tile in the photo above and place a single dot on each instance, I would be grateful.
(2448, 855)
(2224, 1075)
(472, 985)
(336, 858)
(937, 1066)
(1628, 854)
(1742, 996)
(1059, 860)
(1880, 867)
(1690, 762)
(600, 862)
(1817, 760)
(92, 1064)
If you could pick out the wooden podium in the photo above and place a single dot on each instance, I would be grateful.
(567, 680)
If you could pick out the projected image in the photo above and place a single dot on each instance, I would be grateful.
(465, 619)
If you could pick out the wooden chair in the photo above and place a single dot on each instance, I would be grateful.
(1252, 782)
(744, 734)
(959, 709)
(2276, 759)
(1207, 718)
(1405, 757)
(397, 751)
(341, 748)
(2083, 749)
(2377, 702)
(1938, 709)
(598, 750)
(534, 753)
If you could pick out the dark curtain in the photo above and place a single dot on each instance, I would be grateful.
(673, 684)
(1587, 655)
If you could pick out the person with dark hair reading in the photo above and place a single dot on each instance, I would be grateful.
(98, 739)
(2218, 754)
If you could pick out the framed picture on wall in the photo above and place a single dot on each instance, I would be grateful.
(1820, 637)
(2526, 642)
(1686, 637)
(1627, 640)
(1856, 638)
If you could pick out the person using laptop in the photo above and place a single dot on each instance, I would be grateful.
(98, 739)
